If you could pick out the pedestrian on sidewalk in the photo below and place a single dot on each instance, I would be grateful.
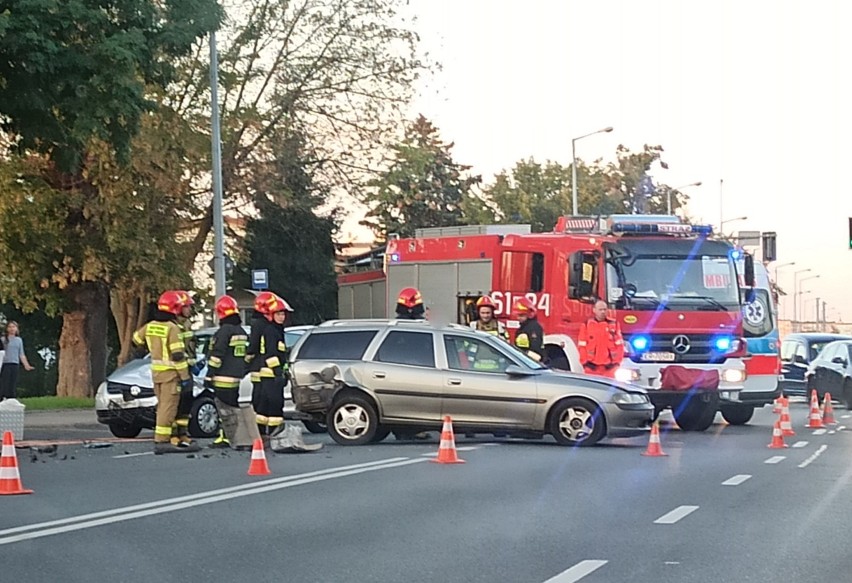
(13, 359)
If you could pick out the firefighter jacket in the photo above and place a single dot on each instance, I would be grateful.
(226, 360)
(267, 351)
(161, 337)
(493, 327)
(189, 341)
(601, 343)
(530, 339)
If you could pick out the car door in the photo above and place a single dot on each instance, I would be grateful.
(477, 389)
(404, 378)
(823, 375)
(835, 369)
(798, 366)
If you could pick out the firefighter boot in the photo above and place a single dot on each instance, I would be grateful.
(167, 447)
(184, 444)
(221, 441)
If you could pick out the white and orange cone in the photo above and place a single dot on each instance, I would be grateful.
(814, 417)
(10, 478)
(654, 448)
(777, 437)
(777, 405)
(447, 450)
(258, 465)
(786, 425)
(828, 411)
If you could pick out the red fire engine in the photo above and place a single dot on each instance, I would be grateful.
(672, 287)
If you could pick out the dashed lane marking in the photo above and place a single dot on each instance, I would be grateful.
(847, 416)
(577, 572)
(676, 514)
(820, 431)
(117, 457)
(775, 459)
(813, 458)
(800, 444)
(736, 480)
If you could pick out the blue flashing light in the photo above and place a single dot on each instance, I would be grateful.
(702, 229)
(736, 254)
(723, 343)
(640, 343)
(394, 257)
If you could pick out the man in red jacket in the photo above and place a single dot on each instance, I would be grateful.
(601, 344)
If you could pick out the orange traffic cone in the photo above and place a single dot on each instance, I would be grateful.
(777, 404)
(258, 465)
(828, 411)
(654, 447)
(814, 417)
(786, 425)
(10, 478)
(777, 437)
(447, 450)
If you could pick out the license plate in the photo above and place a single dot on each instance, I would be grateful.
(659, 356)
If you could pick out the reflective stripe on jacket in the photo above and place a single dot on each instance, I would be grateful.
(168, 360)
(601, 343)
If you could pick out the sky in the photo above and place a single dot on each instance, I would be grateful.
(749, 97)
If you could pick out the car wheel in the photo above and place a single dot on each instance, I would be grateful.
(203, 418)
(127, 430)
(352, 420)
(737, 414)
(696, 412)
(577, 422)
(315, 426)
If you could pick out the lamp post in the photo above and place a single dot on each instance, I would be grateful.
(218, 221)
(801, 293)
(777, 267)
(574, 164)
(722, 223)
(669, 200)
(796, 294)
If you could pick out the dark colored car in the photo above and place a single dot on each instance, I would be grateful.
(831, 372)
(797, 353)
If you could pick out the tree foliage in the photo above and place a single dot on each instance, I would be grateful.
(424, 186)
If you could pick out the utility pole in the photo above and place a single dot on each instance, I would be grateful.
(218, 220)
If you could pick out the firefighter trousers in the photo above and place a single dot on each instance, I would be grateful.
(268, 402)
(168, 396)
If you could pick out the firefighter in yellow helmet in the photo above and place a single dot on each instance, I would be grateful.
(169, 370)
(486, 322)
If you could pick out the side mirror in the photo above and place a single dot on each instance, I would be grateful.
(838, 360)
(749, 270)
(513, 370)
(799, 359)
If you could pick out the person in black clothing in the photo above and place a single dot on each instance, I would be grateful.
(409, 305)
(530, 336)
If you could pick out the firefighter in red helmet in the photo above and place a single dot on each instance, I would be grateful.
(486, 322)
(267, 359)
(530, 336)
(409, 305)
(169, 370)
(190, 349)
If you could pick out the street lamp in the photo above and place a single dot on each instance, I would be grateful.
(796, 293)
(736, 219)
(669, 205)
(574, 164)
(777, 267)
(801, 293)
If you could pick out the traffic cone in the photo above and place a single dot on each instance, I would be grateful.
(777, 405)
(786, 426)
(258, 465)
(814, 417)
(447, 450)
(777, 437)
(654, 447)
(828, 411)
(10, 478)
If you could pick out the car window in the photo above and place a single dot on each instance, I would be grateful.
(291, 337)
(802, 353)
(825, 353)
(403, 347)
(788, 349)
(337, 345)
(816, 348)
(465, 353)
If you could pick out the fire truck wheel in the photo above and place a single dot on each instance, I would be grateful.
(352, 419)
(577, 421)
(737, 414)
(697, 412)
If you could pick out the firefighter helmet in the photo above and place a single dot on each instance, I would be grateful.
(185, 299)
(268, 303)
(410, 297)
(171, 302)
(485, 302)
(524, 306)
(226, 306)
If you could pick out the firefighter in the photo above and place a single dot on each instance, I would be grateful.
(486, 322)
(169, 370)
(190, 350)
(409, 305)
(530, 336)
(267, 358)
(601, 344)
(225, 369)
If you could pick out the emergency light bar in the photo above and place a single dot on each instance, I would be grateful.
(660, 224)
(665, 228)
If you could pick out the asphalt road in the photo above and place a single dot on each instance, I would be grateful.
(720, 507)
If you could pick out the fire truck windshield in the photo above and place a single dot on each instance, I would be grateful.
(684, 274)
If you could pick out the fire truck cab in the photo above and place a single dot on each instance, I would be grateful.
(672, 288)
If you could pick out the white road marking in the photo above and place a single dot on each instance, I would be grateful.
(736, 480)
(676, 514)
(775, 459)
(813, 458)
(800, 444)
(841, 428)
(832, 432)
(132, 454)
(465, 448)
(847, 416)
(819, 431)
(577, 572)
(171, 504)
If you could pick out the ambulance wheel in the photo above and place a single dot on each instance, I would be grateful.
(315, 426)
(352, 419)
(737, 414)
(203, 418)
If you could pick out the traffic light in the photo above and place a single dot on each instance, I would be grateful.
(770, 253)
(850, 232)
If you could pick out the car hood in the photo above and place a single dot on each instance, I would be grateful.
(569, 379)
(135, 372)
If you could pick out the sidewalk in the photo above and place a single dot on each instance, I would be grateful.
(77, 418)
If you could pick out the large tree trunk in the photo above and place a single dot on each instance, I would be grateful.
(82, 343)
(130, 311)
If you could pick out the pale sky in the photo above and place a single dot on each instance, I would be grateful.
(752, 92)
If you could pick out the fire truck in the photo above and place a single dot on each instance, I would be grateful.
(672, 286)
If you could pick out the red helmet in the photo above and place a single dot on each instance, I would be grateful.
(226, 306)
(485, 302)
(171, 302)
(524, 306)
(268, 303)
(410, 297)
(185, 299)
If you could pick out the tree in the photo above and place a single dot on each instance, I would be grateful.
(424, 186)
(75, 84)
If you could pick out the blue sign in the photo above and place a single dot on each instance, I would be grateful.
(259, 279)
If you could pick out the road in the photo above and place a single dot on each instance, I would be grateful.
(720, 507)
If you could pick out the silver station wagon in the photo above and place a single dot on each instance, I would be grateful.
(366, 378)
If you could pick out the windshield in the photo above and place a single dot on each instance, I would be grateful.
(702, 282)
